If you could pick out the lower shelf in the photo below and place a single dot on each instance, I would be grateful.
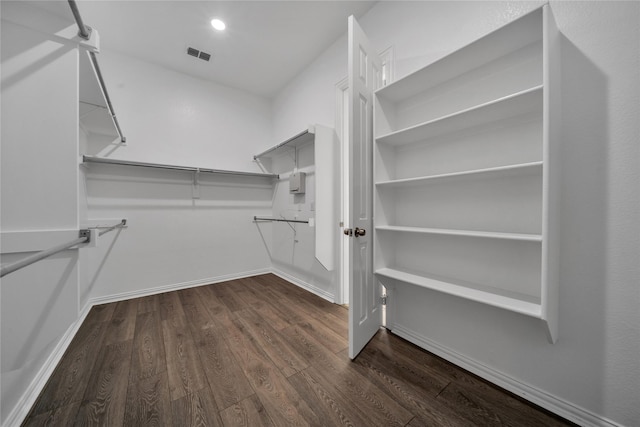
(518, 303)
(463, 233)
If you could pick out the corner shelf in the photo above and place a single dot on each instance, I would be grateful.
(481, 123)
(325, 185)
(304, 137)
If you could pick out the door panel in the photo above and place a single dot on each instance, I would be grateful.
(364, 78)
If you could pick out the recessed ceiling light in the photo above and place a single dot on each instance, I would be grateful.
(218, 24)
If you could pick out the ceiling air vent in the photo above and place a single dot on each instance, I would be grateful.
(198, 54)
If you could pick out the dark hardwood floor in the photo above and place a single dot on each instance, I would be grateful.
(257, 352)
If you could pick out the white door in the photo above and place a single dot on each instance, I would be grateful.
(364, 296)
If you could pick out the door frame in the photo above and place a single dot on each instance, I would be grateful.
(342, 130)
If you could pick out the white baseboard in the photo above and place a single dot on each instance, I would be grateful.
(539, 397)
(304, 285)
(174, 287)
(22, 408)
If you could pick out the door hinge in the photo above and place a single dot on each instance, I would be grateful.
(383, 299)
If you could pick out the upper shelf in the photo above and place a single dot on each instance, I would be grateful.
(92, 159)
(301, 138)
(516, 35)
(96, 111)
(522, 169)
(518, 104)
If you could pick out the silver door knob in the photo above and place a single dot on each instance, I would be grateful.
(359, 231)
(348, 232)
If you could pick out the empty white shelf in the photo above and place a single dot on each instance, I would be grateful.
(532, 168)
(510, 38)
(519, 303)
(108, 161)
(297, 140)
(463, 233)
(524, 102)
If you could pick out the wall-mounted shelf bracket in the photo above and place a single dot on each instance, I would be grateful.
(196, 184)
(295, 141)
(86, 233)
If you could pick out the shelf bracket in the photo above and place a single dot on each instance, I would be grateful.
(196, 184)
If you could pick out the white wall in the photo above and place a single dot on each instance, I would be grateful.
(593, 373)
(169, 117)
(309, 99)
(39, 182)
(174, 239)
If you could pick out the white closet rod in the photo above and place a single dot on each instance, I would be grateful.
(83, 30)
(107, 229)
(92, 159)
(255, 218)
(84, 236)
(112, 113)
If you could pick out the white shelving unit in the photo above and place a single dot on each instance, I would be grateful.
(465, 175)
(326, 171)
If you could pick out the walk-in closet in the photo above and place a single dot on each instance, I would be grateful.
(366, 213)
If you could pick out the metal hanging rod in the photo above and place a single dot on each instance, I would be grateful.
(103, 86)
(84, 238)
(92, 159)
(107, 229)
(255, 218)
(84, 32)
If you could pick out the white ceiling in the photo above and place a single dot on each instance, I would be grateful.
(265, 45)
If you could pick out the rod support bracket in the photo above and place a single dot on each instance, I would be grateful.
(196, 184)
(86, 233)
(88, 30)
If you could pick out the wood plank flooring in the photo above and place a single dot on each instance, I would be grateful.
(257, 352)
